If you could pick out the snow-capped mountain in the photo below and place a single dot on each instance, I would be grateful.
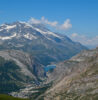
(36, 39)
(23, 29)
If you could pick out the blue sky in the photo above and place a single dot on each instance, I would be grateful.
(83, 14)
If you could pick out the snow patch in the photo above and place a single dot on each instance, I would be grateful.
(26, 24)
(7, 37)
(7, 27)
(30, 36)
(47, 32)
(10, 27)
(1, 29)
(39, 30)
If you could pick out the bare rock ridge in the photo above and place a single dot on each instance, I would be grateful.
(75, 79)
(17, 69)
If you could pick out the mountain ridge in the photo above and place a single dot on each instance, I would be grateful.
(17, 70)
(48, 46)
(78, 79)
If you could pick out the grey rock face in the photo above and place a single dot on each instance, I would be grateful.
(76, 78)
(17, 70)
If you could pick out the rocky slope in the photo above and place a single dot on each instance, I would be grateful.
(36, 39)
(17, 70)
(75, 79)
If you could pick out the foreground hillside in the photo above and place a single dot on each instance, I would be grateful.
(75, 79)
(17, 70)
(6, 97)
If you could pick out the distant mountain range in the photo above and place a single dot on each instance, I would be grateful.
(49, 47)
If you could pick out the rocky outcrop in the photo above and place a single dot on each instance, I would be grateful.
(75, 79)
(17, 70)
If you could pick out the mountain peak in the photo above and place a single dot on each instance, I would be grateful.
(37, 38)
(24, 28)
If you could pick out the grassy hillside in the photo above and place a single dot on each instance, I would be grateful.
(7, 97)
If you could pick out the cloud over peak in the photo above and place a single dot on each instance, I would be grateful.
(45, 21)
(88, 41)
(65, 26)
(34, 21)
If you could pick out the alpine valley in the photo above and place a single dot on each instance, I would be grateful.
(26, 50)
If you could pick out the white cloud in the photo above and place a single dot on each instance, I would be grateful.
(34, 21)
(87, 41)
(45, 21)
(74, 35)
(65, 26)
